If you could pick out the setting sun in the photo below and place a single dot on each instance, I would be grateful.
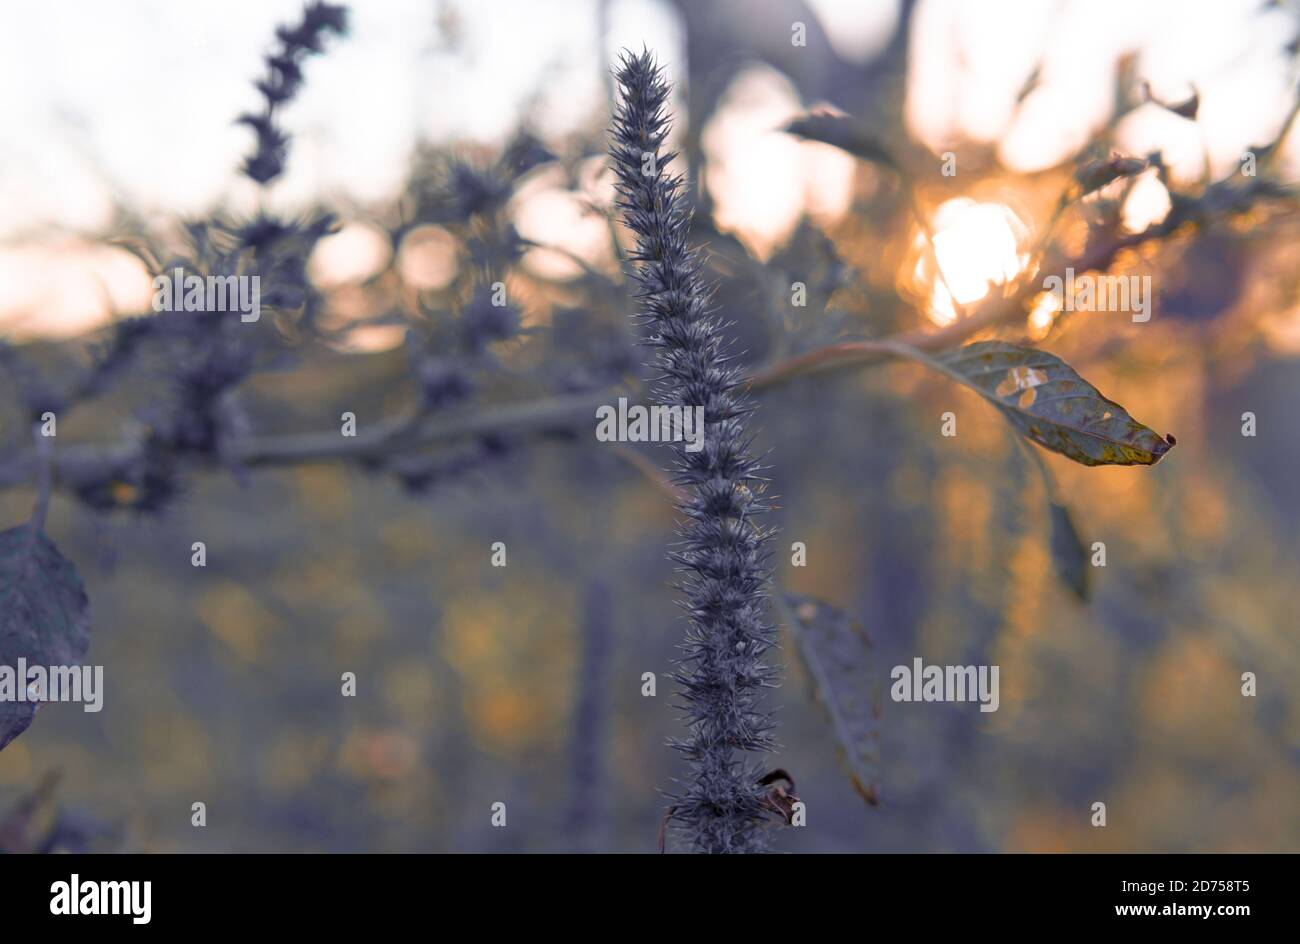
(977, 245)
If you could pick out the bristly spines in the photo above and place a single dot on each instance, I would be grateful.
(282, 82)
(722, 561)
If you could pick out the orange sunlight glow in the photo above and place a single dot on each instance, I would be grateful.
(1147, 204)
(1043, 315)
(66, 288)
(977, 246)
(564, 221)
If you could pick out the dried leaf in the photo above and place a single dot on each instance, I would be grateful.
(1047, 402)
(43, 615)
(845, 134)
(1094, 175)
(1069, 558)
(1068, 554)
(837, 655)
(1187, 108)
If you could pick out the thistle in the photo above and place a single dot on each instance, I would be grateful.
(724, 570)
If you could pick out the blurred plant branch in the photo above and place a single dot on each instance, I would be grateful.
(74, 466)
(446, 418)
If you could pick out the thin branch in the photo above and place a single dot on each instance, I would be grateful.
(44, 450)
(655, 475)
(388, 437)
(72, 466)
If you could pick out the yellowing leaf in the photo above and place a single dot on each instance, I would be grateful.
(1050, 404)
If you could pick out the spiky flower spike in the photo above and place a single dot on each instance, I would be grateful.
(721, 555)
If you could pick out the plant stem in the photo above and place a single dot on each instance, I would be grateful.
(44, 449)
(724, 573)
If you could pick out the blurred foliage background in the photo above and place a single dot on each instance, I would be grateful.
(523, 684)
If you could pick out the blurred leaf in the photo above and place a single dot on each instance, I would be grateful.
(43, 615)
(1068, 554)
(1094, 175)
(1069, 559)
(1052, 405)
(837, 654)
(1184, 109)
(523, 155)
(845, 134)
(1031, 84)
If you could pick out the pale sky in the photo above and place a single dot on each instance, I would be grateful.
(138, 98)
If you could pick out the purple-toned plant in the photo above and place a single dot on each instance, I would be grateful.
(503, 358)
(282, 82)
(722, 559)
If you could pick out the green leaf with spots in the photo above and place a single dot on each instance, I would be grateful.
(1050, 404)
(837, 655)
(43, 616)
